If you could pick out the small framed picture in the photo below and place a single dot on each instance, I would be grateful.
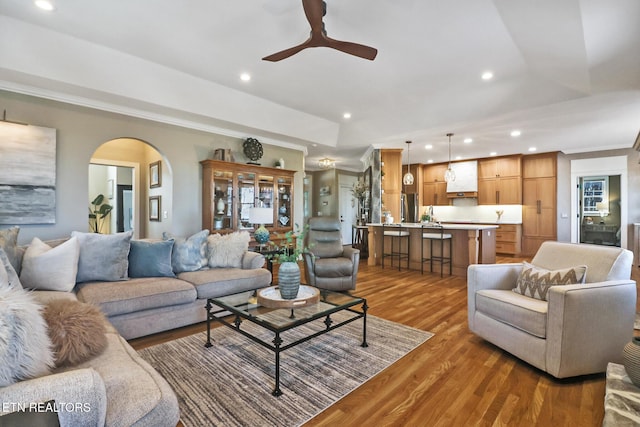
(155, 174)
(154, 208)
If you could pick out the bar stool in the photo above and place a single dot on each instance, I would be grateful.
(397, 233)
(436, 233)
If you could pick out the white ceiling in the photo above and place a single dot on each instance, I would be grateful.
(567, 72)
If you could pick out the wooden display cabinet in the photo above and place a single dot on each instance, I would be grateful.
(230, 190)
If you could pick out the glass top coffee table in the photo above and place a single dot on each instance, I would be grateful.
(245, 306)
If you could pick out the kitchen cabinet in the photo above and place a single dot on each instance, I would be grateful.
(230, 190)
(500, 181)
(434, 187)
(509, 239)
(391, 181)
(539, 188)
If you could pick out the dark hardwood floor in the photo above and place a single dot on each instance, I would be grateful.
(455, 378)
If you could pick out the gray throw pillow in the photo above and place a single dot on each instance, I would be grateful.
(12, 276)
(9, 242)
(150, 259)
(189, 254)
(103, 257)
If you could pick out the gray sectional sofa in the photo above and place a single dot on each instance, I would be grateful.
(121, 388)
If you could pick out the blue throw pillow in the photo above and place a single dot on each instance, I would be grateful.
(189, 254)
(150, 259)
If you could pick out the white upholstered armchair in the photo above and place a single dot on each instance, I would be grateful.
(578, 330)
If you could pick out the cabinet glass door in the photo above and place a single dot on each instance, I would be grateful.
(223, 200)
(246, 198)
(285, 214)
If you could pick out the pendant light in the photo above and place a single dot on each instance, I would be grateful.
(449, 175)
(407, 179)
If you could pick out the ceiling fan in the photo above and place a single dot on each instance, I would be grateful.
(315, 10)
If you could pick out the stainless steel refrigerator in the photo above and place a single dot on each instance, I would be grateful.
(409, 209)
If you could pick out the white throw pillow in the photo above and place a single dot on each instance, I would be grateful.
(25, 347)
(227, 250)
(50, 269)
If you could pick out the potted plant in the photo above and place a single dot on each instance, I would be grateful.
(98, 214)
(287, 254)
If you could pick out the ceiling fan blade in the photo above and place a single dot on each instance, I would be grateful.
(283, 54)
(355, 49)
(314, 10)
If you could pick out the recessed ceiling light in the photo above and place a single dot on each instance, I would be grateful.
(245, 77)
(533, 149)
(468, 140)
(347, 115)
(458, 157)
(428, 147)
(487, 75)
(430, 161)
(45, 5)
(493, 153)
(516, 133)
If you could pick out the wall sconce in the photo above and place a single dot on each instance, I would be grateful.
(326, 163)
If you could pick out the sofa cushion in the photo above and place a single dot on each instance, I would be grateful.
(189, 254)
(77, 331)
(144, 293)
(535, 281)
(150, 259)
(9, 242)
(519, 311)
(137, 394)
(333, 267)
(103, 256)
(25, 348)
(218, 282)
(227, 250)
(51, 269)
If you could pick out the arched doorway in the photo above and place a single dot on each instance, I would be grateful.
(135, 181)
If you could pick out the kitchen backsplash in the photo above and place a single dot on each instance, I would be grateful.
(512, 214)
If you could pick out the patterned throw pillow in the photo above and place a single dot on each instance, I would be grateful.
(535, 281)
(190, 253)
(9, 242)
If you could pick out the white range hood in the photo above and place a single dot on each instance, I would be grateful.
(466, 183)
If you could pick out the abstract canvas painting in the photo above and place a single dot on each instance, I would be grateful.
(27, 174)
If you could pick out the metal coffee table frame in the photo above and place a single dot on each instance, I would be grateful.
(243, 306)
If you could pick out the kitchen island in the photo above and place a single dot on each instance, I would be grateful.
(471, 244)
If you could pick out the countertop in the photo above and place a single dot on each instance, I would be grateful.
(446, 226)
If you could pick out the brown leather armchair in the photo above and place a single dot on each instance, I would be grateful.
(329, 265)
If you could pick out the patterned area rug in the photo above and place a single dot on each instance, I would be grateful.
(230, 384)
